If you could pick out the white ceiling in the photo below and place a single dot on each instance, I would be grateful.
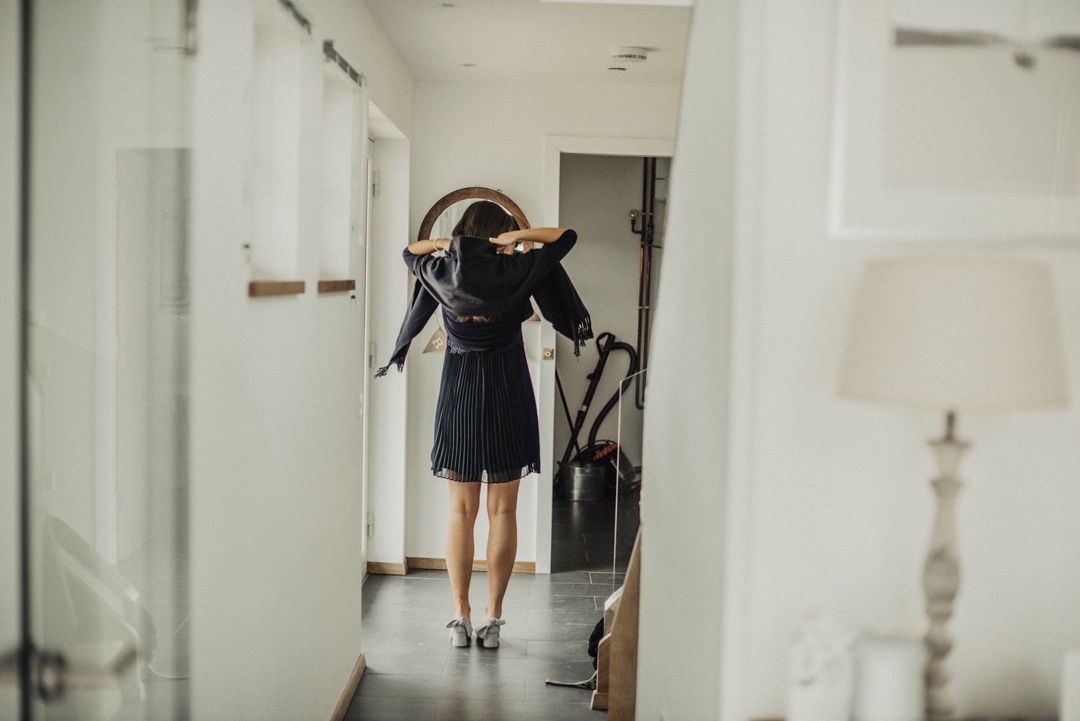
(534, 40)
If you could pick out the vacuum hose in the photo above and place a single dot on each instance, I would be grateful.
(605, 343)
(605, 348)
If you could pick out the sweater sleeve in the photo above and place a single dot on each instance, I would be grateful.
(547, 256)
(409, 258)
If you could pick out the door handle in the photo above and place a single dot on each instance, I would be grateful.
(53, 673)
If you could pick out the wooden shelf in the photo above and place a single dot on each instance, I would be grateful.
(336, 286)
(268, 288)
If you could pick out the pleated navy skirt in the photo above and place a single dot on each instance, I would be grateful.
(486, 426)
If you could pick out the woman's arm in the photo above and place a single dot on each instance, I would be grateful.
(533, 235)
(427, 247)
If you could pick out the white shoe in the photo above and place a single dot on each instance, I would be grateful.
(460, 631)
(489, 632)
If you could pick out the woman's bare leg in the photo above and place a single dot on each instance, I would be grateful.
(502, 541)
(464, 505)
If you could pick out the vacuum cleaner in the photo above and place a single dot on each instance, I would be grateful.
(600, 464)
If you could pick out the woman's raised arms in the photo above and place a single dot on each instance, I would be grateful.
(529, 235)
(427, 247)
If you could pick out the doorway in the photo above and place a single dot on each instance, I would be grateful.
(616, 204)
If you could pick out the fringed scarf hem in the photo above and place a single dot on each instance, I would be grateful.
(400, 363)
(582, 332)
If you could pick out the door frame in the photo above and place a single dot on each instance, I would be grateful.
(554, 148)
(385, 508)
(14, 479)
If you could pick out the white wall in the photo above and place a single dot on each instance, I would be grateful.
(840, 506)
(276, 508)
(827, 507)
(597, 193)
(360, 39)
(494, 135)
(9, 325)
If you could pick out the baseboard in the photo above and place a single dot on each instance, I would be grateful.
(439, 564)
(350, 690)
(389, 569)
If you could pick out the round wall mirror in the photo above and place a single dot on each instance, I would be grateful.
(444, 215)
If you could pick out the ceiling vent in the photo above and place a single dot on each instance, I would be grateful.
(630, 55)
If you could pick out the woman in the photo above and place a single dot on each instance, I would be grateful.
(486, 428)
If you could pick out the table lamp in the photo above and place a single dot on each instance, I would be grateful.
(953, 334)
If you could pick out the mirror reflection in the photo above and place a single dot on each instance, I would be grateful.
(449, 218)
(444, 225)
(445, 214)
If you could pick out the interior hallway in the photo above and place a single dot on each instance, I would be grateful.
(415, 675)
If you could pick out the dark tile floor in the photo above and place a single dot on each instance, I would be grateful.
(414, 674)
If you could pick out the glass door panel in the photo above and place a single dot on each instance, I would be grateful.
(627, 474)
(106, 384)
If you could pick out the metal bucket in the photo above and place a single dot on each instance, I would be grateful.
(583, 481)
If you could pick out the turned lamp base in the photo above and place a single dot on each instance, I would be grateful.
(941, 574)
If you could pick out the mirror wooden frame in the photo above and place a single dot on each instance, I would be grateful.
(476, 192)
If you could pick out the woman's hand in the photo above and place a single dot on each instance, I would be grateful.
(505, 242)
(507, 238)
(508, 241)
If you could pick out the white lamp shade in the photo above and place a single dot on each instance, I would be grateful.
(959, 334)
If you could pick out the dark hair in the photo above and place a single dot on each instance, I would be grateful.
(484, 219)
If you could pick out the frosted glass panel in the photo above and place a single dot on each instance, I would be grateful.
(627, 478)
(108, 346)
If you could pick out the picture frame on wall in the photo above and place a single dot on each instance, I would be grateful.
(956, 121)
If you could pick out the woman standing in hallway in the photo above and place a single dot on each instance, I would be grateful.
(486, 427)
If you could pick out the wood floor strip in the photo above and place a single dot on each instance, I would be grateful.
(388, 569)
(439, 564)
(350, 690)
